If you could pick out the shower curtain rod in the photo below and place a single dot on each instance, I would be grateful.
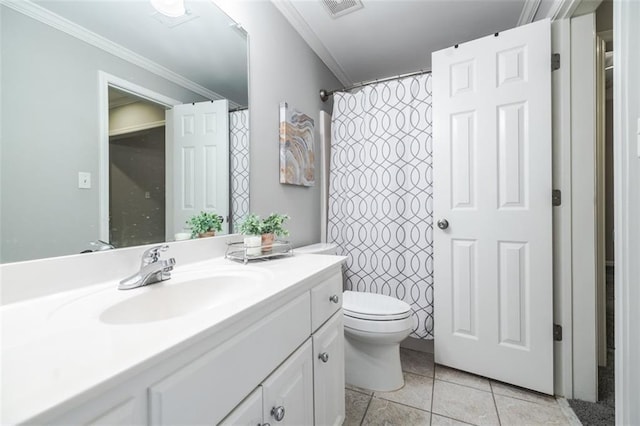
(324, 94)
(242, 108)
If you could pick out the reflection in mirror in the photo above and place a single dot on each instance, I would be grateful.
(83, 156)
(136, 194)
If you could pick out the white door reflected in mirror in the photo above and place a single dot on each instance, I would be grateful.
(200, 161)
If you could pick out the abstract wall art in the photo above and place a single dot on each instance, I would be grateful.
(296, 147)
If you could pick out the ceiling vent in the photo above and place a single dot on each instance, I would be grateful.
(338, 8)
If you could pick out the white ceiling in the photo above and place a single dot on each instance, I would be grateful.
(391, 37)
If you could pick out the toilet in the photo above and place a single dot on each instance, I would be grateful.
(374, 326)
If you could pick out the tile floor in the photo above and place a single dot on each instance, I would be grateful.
(437, 395)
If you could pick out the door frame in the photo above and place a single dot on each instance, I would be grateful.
(574, 220)
(626, 152)
(105, 81)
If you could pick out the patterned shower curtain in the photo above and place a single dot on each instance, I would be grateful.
(381, 196)
(239, 166)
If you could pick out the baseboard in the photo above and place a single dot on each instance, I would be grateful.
(419, 345)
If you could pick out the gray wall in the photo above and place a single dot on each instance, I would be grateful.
(50, 133)
(282, 67)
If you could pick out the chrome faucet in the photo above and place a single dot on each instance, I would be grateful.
(152, 269)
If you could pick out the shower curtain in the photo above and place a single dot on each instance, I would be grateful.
(239, 166)
(380, 196)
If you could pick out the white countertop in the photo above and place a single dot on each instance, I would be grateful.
(56, 348)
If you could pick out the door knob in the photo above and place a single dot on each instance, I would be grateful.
(278, 413)
(443, 224)
(334, 298)
(324, 357)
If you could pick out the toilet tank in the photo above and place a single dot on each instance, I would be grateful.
(318, 248)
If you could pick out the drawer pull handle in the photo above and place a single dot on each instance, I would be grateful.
(324, 356)
(278, 413)
(334, 298)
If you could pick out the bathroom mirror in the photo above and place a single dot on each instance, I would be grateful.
(66, 67)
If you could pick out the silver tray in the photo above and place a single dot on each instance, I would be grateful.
(238, 251)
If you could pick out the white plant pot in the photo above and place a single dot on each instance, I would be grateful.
(253, 244)
(181, 236)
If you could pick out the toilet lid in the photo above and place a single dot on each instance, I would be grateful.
(372, 306)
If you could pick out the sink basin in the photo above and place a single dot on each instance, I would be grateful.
(185, 293)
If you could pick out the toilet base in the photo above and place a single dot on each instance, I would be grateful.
(374, 366)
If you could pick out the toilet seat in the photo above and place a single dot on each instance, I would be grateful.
(375, 313)
(378, 327)
(374, 307)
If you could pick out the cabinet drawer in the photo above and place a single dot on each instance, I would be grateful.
(211, 385)
(323, 302)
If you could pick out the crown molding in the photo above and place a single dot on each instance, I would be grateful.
(565, 9)
(39, 13)
(291, 14)
(562, 9)
(529, 11)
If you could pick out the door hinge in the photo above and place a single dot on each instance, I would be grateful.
(556, 197)
(557, 332)
(555, 61)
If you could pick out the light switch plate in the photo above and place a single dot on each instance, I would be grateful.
(84, 180)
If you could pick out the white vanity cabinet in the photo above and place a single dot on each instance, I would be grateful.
(281, 363)
(308, 388)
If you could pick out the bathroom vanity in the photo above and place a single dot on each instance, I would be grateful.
(219, 343)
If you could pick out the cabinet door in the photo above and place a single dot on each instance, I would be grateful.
(328, 372)
(248, 413)
(288, 392)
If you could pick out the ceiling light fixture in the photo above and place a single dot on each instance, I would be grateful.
(170, 8)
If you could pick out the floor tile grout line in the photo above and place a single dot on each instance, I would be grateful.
(361, 391)
(522, 398)
(466, 386)
(519, 398)
(417, 374)
(364, 416)
(402, 403)
(452, 418)
(433, 391)
(495, 404)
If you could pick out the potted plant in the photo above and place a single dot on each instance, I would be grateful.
(251, 228)
(272, 227)
(205, 224)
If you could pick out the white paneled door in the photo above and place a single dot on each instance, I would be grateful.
(200, 160)
(492, 203)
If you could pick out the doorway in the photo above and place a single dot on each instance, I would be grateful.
(136, 170)
(605, 206)
(601, 406)
(131, 121)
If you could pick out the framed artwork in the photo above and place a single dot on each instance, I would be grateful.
(296, 147)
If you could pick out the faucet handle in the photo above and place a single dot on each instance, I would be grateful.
(152, 255)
